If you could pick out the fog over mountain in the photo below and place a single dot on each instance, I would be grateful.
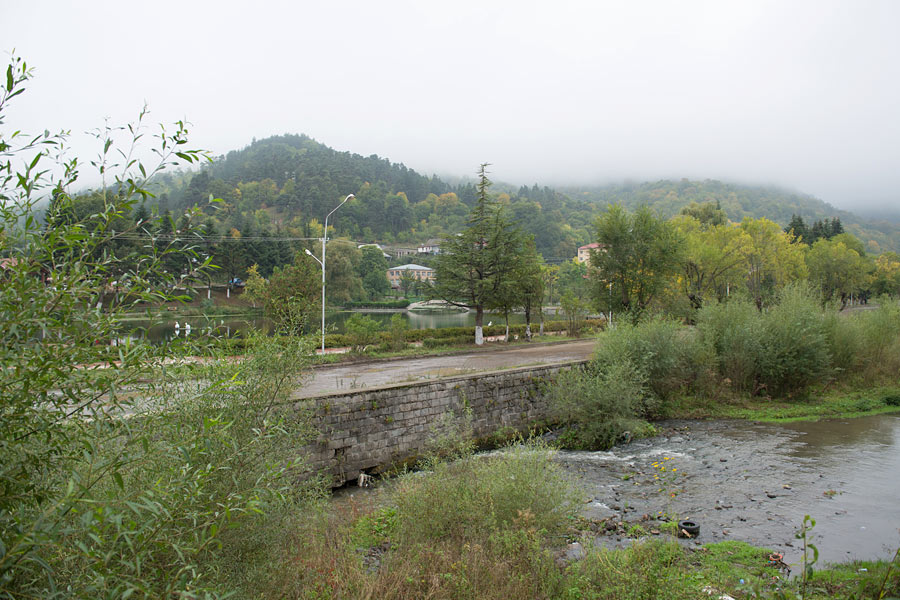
(801, 94)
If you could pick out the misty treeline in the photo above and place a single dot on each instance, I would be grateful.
(275, 193)
(740, 201)
(646, 263)
(285, 185)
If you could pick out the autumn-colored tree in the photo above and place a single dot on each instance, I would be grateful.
(772, 260)
(886, 278)
(715, 257)
(837, 269)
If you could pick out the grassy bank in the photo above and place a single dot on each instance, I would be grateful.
(502, 527)
(849, 400)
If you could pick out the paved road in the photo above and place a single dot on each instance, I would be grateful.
(373, 374)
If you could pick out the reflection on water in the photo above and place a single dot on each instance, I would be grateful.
(828, 440)
(754, 482)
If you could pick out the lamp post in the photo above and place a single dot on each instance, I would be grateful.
(322, 262)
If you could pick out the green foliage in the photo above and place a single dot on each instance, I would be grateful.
(111, 487)
(374, 304)
(372, 269)
(668, 197)
(707, 213)
(781, 351)
(572, 278)
(866, 342)
(291, 296)
(837, 269)
(599, 408)
(639, 252)
(733, 330)
(397, 333)
(635, 372)
(575, 310)
(342, 280)
(477, 268)
(476, 496)
(644, 570)
(362, 331)
(670, 357)
(795, 350)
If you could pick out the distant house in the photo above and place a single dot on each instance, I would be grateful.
(430, 247)
(8, 265)
(397, 251)
(584, 252)
(418, 272)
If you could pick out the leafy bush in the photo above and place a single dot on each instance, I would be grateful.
(733, 330)
(336, 340)
(880, 352)
(598, 406)
(374, 304)
(795, 349)
(396, 334)
(361, 332)
(669, 356)
(780, 351)
(845, 336)
(110, 487)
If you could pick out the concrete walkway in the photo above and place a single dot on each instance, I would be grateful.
(362, 375)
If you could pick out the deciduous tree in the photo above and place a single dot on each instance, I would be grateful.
(639, 253)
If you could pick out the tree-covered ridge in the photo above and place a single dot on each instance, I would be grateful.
(668, 197)
(283, 186)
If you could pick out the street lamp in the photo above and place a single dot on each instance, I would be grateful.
(322, 262)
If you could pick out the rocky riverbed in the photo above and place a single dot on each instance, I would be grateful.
(751, 482)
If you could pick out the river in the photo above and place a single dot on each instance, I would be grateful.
(754, 482)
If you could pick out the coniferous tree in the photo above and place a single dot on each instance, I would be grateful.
(474, 265)
(799, 228)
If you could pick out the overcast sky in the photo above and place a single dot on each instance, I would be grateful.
(804, 94)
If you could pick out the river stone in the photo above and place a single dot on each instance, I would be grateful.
(574, 551)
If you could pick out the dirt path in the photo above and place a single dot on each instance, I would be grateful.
(373, 374)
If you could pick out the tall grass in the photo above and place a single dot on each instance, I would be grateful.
(473, 527)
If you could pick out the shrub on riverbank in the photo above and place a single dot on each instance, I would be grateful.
(642, 371)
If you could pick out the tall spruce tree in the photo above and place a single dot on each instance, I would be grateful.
(476, 264)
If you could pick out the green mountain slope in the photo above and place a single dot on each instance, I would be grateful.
(287, 184)
(668, 197)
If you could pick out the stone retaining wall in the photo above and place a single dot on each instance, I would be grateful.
(368, 430)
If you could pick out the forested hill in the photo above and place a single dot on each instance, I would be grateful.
(668, 197)
(287, 184)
